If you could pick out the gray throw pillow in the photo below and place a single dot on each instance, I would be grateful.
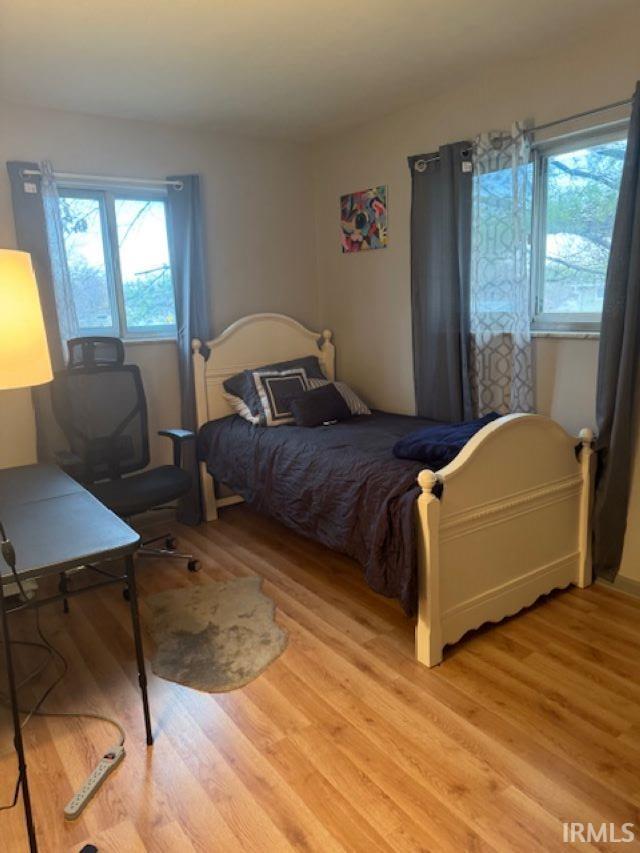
(356, 406)
(324, 405)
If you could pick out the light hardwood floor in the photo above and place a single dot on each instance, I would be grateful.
(345, 743)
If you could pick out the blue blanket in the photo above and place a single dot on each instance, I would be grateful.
(437, 445)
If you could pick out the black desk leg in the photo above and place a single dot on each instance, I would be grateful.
(17, 731)
(137, 638)
(63, 588)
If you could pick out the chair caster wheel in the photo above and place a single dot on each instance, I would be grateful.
(126, 594)
(193, 566)
(170, 543)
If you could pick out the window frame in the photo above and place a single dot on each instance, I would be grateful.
(106, 198)
(541, 151)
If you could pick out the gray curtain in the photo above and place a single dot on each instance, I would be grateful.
(617, 394)
(31, 236)
(186, 245)
(440, 252)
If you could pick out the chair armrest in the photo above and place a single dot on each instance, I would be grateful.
(177, 436)
(70, 463)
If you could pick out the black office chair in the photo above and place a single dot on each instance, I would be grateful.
(100, 405)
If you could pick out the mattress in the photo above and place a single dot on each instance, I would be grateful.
(339, 485)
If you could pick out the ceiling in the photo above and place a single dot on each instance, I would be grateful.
(293, 68)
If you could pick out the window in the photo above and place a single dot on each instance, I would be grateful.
(576, 188)
(118, 260)
(501, 225)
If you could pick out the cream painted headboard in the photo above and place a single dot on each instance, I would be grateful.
(244, 345)
(249, 343)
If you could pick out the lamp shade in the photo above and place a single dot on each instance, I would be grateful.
(24, 354)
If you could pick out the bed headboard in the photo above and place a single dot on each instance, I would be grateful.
(249, 343)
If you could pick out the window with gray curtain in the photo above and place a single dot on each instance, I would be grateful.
(85, 244)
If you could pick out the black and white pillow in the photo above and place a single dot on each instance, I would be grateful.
(241, 388)
(355, 404)
(275, 390)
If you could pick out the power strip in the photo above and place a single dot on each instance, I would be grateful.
(30, 587)
(106, 765)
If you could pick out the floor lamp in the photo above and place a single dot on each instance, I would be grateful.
(24, 362)
(24, 354)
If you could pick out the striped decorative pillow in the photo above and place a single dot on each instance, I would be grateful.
(240, 408)
(355, 404)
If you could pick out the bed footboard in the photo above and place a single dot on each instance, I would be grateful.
(505, 522)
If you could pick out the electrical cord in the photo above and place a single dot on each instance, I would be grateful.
(54, 653)
(8, 552)
(35, 711)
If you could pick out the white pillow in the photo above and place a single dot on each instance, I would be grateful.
(240, 408)
(355, 404)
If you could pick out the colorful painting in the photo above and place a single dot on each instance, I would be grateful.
(363, 220)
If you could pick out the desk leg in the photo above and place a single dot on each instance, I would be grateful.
(137, 638)
(19, 746)
(63, 588)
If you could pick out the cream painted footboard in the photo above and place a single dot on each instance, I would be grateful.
(505, 522)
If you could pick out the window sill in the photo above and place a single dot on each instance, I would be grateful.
(135, 341)
(571, 336)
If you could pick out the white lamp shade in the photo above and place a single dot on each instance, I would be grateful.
(24, 354)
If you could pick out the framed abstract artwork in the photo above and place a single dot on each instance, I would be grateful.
(363, 220)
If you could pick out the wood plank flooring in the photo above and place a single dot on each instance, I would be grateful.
(345, 743)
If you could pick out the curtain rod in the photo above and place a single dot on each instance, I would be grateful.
(71, 176)
(421, 165)
(580, 115)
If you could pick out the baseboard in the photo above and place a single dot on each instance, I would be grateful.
(621, 584)
(166, 514)
(229, 500)
(30, 588)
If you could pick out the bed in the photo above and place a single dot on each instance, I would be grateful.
(505, 522)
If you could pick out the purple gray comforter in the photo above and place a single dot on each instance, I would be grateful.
(339, 484)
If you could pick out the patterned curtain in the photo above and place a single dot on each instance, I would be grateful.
(501, 366)
(33, 235)
(65, 305)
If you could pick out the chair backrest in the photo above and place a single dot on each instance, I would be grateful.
(100, 405)
(95, 352)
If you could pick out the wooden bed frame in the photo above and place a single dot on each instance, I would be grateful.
(504, 523)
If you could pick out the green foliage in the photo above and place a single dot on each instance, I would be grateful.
(149, 298)
(582, 194)
(90, 294)
(148, 294)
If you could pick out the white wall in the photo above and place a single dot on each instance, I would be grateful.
(366, 298)
(259, 248)
(262, 251)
